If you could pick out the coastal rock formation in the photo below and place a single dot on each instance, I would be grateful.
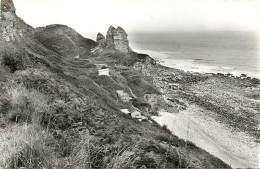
(110, 35)
(120, 40)
(116, 38)
(11, 26)
(101, 40)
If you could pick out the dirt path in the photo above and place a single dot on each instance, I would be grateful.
(194, 124)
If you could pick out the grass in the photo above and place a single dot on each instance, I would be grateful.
(41, 103)
(26, 104)
(64, 41)
(139, 84)
(26, 146)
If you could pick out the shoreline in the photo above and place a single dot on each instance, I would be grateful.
(188, 65)
(196, 126)
(230, 103)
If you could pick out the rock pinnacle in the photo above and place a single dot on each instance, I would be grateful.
(7, 5)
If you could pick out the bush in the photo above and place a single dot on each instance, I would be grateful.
(165, 128)
(11, 63)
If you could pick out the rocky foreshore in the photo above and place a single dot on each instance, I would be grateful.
(229, 105)
(234, 100)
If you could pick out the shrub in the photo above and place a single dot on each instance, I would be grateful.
(165, 128)
(12, 61)
(5, 106)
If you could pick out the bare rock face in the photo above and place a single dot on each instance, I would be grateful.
(101, 40)
(118, 39)
(11, 26)
(110, 35)
(7, 5)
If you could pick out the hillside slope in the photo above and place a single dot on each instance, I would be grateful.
(56, 111)
(64, 41)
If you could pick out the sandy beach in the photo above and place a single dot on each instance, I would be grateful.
(237, 149)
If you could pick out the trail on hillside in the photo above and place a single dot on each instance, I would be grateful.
(194, 124)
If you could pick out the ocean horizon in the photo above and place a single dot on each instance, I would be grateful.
(204, 52)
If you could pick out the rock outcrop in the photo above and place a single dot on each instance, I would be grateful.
(120, 40)
(116, 38)
(101, 40)
(11, 26)
(110, 35)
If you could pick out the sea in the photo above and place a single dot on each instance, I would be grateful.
(204, 52)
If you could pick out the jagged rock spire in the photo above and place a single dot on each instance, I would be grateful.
(101, 39)
(110, 35)
(7, 5)
(121, 31)
(100, 36)
(118, 39)
(11, 26)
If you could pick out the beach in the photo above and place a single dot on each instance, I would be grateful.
(217, 112)
(237, 149)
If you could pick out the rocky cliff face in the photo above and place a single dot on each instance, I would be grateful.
(11, 26)
(116, 38)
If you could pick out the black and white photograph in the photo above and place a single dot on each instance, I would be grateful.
(129, 84)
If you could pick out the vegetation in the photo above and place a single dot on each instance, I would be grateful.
(39, 107)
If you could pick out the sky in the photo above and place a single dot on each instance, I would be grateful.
(92, 16)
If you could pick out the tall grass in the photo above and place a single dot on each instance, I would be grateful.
(26, 146)
(26, 104)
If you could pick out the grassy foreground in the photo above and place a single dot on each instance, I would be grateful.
(41, 99)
